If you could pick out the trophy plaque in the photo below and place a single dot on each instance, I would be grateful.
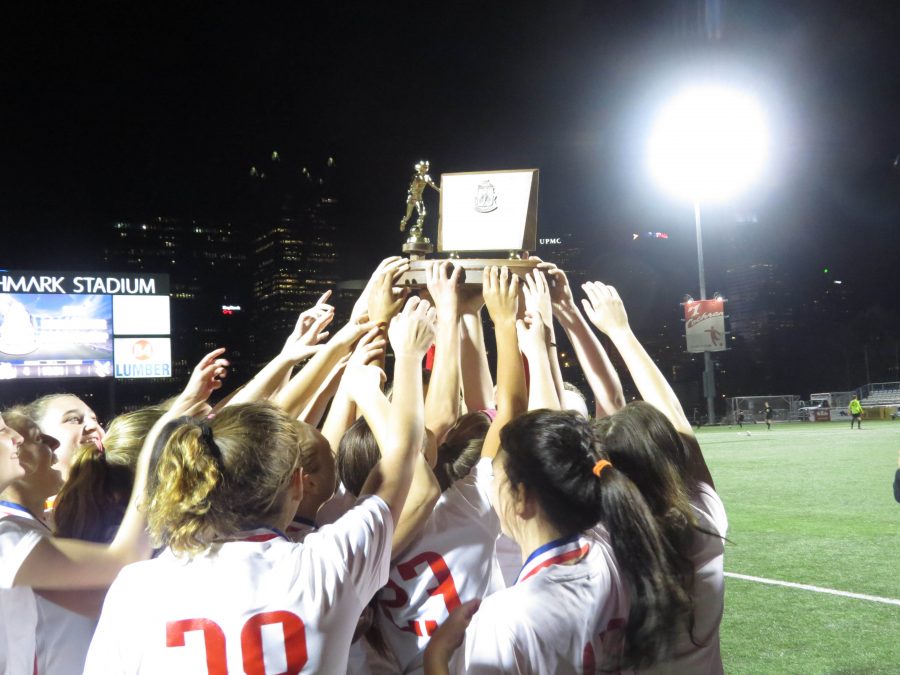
(487, 218)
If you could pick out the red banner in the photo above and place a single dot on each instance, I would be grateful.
(704, 325)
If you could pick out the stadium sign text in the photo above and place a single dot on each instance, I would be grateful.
(77, 283)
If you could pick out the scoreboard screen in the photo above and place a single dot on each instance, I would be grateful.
(78, 324)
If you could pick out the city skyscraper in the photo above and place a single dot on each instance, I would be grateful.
(293, 223)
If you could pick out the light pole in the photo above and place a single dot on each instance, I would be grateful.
(708, 143)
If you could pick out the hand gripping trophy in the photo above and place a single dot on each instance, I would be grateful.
(417, 243)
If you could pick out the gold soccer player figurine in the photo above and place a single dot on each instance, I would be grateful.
(414, 194)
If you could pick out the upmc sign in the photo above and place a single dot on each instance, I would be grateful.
(704, 325)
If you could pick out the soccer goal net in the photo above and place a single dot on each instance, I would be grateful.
(785, 408)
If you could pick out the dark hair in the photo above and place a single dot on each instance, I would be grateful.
(215, 478)
(461, 448)
(358, 453)
(552, 454)
(642, 443)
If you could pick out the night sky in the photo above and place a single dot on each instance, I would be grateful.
(135, 109)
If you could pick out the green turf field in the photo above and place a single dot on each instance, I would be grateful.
(811, 504)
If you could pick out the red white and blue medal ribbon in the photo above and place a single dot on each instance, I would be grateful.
(13, 509)
(260, 534)
(301, 524)
(556, 552)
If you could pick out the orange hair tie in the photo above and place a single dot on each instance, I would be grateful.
(600, 466)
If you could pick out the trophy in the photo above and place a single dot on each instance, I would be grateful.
(486, 218)
(417, 245)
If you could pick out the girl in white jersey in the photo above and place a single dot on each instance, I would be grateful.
(231, 593)
(453, 557)
(71, 421)
(92, 501)
(583, 601)
(33, 561)
(654, 444)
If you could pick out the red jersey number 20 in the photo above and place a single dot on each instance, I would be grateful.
(251, 641)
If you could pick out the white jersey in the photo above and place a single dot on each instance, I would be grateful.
(259, 604)
(557, 618)
(38, 636)
(63, 638)
(509, 558)
(451, 562)
(20, 532)
(707, 553)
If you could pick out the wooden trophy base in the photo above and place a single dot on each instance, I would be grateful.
(417, 247)
(473, 269)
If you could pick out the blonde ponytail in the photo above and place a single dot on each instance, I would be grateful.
(185, 476)
(211, 480)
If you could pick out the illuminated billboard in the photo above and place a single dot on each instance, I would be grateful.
(704, 325)
(69, 324)
(143, 357)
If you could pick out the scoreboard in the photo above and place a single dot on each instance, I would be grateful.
(80, 324)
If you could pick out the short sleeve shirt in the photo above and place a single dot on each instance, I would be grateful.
(248, 606)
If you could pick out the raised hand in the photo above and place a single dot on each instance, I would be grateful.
(561, 298)
(369, 349)
(385, 300)
(500, 289)
(309, 332)
(532, 336)
(604, 308)
(395, 265)
(412, 330)
(443, 286)
(205, 379)
(537, 298)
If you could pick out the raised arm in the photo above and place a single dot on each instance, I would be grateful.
(501, 296)
(393, 264)
(598, 370)
(533, 343)
(477, 384)
(605, 310)
(365, 384)
(57, 563)
(411, 334)
(442, 400)
(303, 386)
(539, 300)
(302, 343)
(369, 349)
(538, 344)
(315, 408)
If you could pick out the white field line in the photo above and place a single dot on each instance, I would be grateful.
(817, 589)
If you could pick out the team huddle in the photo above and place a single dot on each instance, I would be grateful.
(336, 515)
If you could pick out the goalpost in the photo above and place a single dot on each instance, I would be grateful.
(785, 408)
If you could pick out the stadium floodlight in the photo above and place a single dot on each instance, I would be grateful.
(709, 143)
